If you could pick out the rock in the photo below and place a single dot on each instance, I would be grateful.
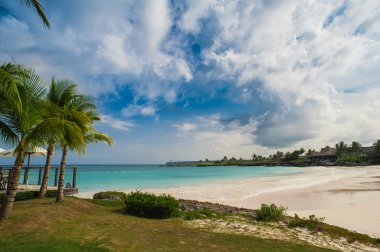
(193, 205)
(109, 196)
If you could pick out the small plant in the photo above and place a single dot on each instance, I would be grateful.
(150, 205)
(270, 212)
(313, 223)
(200, 214)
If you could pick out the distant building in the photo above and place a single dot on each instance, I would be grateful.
(326, 153)
(368, 152)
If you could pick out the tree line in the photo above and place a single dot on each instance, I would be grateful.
(343, 150)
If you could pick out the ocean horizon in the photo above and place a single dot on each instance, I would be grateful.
(99, 177)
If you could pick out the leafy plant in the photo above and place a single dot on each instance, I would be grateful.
(28, 195)
(200, 214)
(270, 212)
(150, 205)
(313, 223)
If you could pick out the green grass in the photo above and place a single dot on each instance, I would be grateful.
(88, 225)
(315, 224)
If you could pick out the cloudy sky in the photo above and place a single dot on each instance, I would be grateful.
(189, 80)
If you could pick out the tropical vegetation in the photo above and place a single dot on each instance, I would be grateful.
(36, 6)
(345, 153)
(30, 116)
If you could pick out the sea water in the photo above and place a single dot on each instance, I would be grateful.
(93, 178)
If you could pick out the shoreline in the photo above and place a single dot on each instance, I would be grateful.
(346, 196)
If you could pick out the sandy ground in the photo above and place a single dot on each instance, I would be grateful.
(346, 196)
(349, 202)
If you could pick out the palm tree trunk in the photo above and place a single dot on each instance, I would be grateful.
(61, 175)
(13, 181)
(45, 179)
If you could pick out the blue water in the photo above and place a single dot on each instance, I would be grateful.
(91, 178)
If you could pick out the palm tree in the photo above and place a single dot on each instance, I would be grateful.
(34, 4)
(81, 111)
(22, 95)
(60, 96)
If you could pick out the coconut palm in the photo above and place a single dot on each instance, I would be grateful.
(22, 95)
(80, 110)
(34, 4)
(60, 98)
(90, 136)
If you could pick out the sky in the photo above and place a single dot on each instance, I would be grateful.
(189, 80)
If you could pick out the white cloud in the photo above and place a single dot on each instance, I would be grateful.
(185, 127)
(133, 109)
(312, 65)
(117, 123)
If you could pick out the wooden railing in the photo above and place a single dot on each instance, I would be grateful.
(5, 173)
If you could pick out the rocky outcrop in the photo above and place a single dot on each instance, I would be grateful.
(109, 195)
(193, 205)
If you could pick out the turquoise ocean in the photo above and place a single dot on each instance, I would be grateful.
(93, 178)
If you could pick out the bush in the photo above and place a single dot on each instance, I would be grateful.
(110, 195)
(150, 205)
(28, 195)
(313, 223)
(200, 214)
(270, 212)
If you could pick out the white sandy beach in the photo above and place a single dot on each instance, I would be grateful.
(346, 196)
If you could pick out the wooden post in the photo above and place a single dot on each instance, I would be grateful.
(40, 176)
(56, 177)
(26, 175)
(74, 177)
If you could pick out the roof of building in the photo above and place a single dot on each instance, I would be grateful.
(325, 152)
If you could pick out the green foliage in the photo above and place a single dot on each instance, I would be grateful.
(150, 205)
(200, 214)
(294, 155)
(353, 159)
(28, 195)
(270, 212)
(377, 148)
(313, 223)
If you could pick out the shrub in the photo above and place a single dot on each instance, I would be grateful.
(28, 195)
(270, 212)
(200, 214)
(150, 205)
(110, 195)
(313, 223)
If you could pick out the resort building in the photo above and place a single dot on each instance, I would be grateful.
(326, 153)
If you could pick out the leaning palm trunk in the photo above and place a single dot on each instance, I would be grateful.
(14, 178)
(45, 179)
(62, 175)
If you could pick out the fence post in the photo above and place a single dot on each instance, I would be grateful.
(40, 176)
(26, 175)
(75, 177)
(56, 177)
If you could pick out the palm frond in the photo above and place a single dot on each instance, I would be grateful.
(34, 4)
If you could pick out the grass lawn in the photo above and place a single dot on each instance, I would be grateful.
(81, 225)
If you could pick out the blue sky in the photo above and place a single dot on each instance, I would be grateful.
(189, 80)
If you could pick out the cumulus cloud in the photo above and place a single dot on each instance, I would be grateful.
(308, 70)
(310, 58)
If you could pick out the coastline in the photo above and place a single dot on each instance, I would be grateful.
(346, 196)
